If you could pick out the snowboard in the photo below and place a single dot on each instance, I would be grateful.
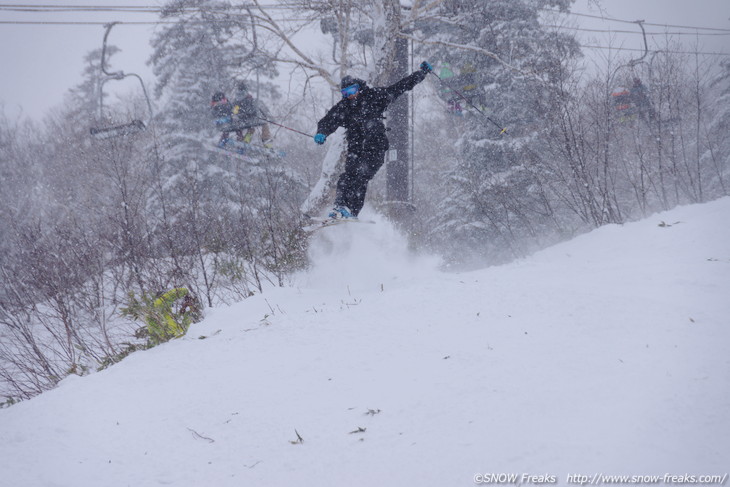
(312, 224)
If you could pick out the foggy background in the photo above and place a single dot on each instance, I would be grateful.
(40, 63)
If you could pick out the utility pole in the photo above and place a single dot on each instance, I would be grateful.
(397, 157)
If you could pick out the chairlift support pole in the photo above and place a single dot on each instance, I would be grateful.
(397, 168)
(633, 62)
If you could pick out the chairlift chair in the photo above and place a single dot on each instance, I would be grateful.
(120, 130)
(625, 99)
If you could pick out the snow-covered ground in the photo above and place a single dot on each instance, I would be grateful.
(608, 354)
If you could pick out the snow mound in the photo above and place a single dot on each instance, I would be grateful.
(364, 256)
(605, 355)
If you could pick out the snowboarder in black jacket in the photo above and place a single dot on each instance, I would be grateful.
(361, 113)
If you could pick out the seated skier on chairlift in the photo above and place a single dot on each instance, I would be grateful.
(244, 113)
(465, 83)
(632, 101)
(640, 98)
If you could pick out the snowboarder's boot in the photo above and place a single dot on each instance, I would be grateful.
(339, 212)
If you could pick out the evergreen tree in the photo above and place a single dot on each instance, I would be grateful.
(496, 54)
(210, 198)
(194, 57)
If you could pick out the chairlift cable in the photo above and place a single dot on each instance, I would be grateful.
(667, 51)
(141, 8)
(150, 22)
(157, 9)
(611, 19)
(612, 31)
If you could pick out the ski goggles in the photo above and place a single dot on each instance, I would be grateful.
(350, 90)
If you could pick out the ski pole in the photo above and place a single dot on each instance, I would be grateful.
(502, 130)
(285, 127)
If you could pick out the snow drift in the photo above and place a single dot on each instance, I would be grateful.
(603, 355)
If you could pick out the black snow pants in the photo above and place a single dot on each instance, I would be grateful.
(360, 168)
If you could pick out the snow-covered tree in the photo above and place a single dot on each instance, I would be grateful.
(209, 198)
(498, 67)
(716, 154)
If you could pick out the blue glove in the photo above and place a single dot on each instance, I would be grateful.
(320, 138)
(426, 67)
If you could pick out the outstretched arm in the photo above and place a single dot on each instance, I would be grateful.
(330, 122)
(409, 82)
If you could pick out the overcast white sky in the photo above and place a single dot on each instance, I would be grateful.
(40, 63)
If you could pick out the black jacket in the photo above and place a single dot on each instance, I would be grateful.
(363, 116)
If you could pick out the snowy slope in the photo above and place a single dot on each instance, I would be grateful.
(607, 354)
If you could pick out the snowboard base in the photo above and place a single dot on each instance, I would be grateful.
(312, 224)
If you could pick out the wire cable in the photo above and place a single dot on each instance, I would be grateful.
(146, 9)
(666, 51)
(157, 9)
(127, 8)
(610, 19)
(636, 32)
